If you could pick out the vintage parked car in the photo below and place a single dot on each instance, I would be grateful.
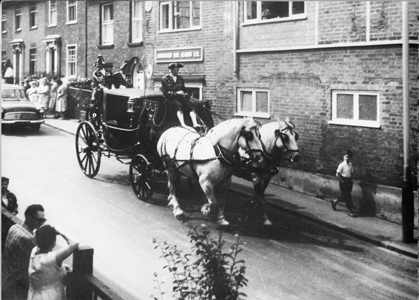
(17, 110)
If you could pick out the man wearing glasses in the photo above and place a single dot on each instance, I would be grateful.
(20, 241)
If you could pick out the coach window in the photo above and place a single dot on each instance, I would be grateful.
(271, 11)
(71, 12)
(180, 15)
(18, 19)
(52, 13)
(355, 108)
(253, 102)
(136, 21)
(107, 24)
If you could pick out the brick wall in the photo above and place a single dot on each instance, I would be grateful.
(300, 85)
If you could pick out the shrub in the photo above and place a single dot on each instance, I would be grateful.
(205, 274)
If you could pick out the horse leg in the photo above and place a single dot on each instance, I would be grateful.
(172, 181)
(260, 183)
(208, 189)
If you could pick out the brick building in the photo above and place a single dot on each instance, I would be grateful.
(334, 68)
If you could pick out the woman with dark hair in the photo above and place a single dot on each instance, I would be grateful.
(46, 271)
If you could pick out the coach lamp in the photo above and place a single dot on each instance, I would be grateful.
(133, 109)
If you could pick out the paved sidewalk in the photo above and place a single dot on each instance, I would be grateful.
(371, 229)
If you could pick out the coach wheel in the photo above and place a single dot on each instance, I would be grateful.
(88, 149)
(142, 177)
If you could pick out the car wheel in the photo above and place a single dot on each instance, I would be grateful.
(35, 128)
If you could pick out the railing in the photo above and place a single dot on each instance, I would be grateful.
(81, 283)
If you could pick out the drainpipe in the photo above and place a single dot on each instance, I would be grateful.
(407, 188)
(235, 37)
(85, 35)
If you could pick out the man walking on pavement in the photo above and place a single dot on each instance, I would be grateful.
(344, 173)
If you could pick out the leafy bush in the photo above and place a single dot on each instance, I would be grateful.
(205, 274)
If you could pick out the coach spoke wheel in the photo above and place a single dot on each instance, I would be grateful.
(142, 177)
(88, 149)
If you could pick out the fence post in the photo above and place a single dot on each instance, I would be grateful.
(77, 286)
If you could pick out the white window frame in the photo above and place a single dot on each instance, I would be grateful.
(69, 62)
(107, 24)
(51, 12)
(3, 22)
(18, 14)
(170, 5)
(31, 59)
(71, 5)
(33, 13)
(273, 20)
(252, 113)
(355, 121)
(139, 5)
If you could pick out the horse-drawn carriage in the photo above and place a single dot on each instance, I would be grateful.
(140, 128)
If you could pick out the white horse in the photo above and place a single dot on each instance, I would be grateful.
(279, 140)
(211, 158)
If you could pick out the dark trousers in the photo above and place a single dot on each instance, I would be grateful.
(183, 103)
(346, 190)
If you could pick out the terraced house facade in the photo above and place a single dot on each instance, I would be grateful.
(334, 68)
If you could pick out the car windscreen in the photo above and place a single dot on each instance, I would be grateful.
(13, 95)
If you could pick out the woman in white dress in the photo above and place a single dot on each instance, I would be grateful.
(43, 93)
(46, 271)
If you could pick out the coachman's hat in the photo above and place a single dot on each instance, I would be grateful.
(175, 65)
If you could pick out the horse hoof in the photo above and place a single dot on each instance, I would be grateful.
(178, 213)
(267, 223)
(206, 209)
(223, 222)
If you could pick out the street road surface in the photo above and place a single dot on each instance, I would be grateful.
(295, 259)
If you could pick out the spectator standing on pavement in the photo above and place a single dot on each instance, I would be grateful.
(20, 241)
(8, 74)
(61, 105)
(344, 173)
(43, 93)
(8, 199)
(46, 270)
(33, 92)
(53, 98)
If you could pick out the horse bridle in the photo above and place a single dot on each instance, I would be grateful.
(279, 134)
(248, 136)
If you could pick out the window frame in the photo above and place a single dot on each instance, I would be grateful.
(355, 121)
(3, 22)
(252, 113)
(52, 10)
(104, 24)
(32, 16)
(170, 28)
(259, 19)
(18, 19)
(71, 6)
(68, 62)
(139, 19)
(32, 61)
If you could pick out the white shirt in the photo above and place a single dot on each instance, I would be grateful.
(345, 169)
(9, 72)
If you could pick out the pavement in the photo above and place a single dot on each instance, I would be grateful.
(374, 230)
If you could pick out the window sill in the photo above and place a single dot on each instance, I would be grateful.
(52, 25)
(4, 32)
(275, 20)
(252, 114)
(111, 46)
(18, 30)
(179, 30)
(135, 44)
(33, 28)
(71, 23)
(355, 123)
